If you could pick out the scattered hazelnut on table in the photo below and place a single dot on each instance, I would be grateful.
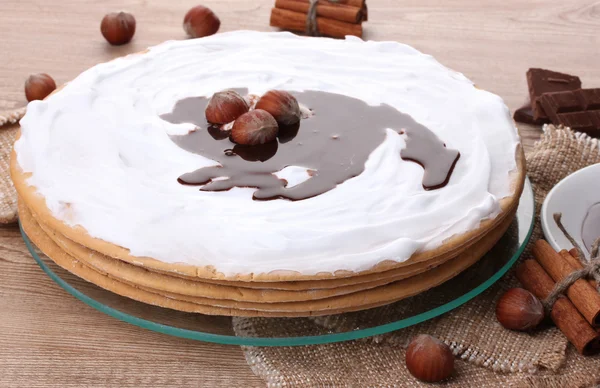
(118, 27)
(39, 86)
(281, 105)
(224, 107)
(254, 128)
(429, 359)
(200, 21)
(519, 309)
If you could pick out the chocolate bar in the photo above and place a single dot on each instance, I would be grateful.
(542, 81)
(525, 115)
(578, 109)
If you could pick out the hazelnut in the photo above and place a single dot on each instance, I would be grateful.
(429, 359)
(224, 107)
(39, 86)
(281, 105)
(200, 21)
(255, 127)
(519, 309)
(118, 27)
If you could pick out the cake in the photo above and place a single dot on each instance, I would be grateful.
(400, 174)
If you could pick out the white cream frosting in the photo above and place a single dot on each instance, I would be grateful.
(100, 147)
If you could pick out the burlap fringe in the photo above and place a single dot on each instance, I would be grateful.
(12, 117)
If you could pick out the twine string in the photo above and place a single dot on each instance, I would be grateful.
(312, 28)
(593, 253)
(558, 220)
(589, 270)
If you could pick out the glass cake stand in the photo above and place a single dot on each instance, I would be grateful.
(316, 330)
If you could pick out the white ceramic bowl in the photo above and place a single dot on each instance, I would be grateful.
(573, 196)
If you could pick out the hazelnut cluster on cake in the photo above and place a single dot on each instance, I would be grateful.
(268, 174)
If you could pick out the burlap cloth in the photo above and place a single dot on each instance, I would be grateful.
(8, 195)
(488, 355)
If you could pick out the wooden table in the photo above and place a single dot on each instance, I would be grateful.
(48, 338)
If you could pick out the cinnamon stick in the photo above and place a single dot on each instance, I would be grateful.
(335, 11)
(575, 263)
(574, 252)
(564, 314)
(296, 21)
(581, 293)
(362, 4)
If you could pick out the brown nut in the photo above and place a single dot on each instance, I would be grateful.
(118, 27)
(224, 107)
(429, 359)
(39, 86)
(255, 127)
(281, 105)
(200, 21)
(519, 309)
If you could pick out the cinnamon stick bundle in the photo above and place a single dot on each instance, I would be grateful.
(296, 21)
(581, 293)
(334, 11)
(564, 314)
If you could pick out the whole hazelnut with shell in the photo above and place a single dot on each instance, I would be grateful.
(429, 359)
(281, 105)
(225, 106)
(254, 128)
(200, 21)
(519, 309)
(118, 28)
(39, 86)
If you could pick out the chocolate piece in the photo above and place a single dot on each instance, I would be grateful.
(578, 109)
(542, 81)
(525, 115)
(333, 145)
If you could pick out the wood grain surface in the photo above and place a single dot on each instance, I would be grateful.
(50, 339)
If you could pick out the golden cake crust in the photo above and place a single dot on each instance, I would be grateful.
(359, 300)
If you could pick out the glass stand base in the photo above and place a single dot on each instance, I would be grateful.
(318, 330)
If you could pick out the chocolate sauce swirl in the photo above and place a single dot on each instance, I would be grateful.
(333, 145)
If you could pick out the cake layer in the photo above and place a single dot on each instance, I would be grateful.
(235, 291)
(346, 303)
(102, 161)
